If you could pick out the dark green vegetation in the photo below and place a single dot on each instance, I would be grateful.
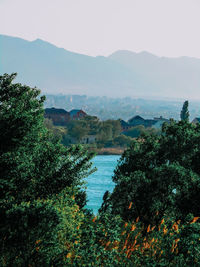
(100, 134)
(151, 218)
(184, 112)
(96, 134)
(40, 181)
(160, 173)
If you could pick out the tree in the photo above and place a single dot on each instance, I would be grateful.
(135, 131)
(159, 174)
(122, 140)
(78, 129)
(184, 112)
(40, 180)
(58, 131)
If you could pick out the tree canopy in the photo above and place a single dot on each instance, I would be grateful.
(38, 176)
(159, 174)
(185, 112)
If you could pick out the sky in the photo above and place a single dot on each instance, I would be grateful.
(100, 27)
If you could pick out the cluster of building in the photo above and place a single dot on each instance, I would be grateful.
(138, 120)
(62, 117)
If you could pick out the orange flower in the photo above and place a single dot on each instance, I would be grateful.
(126, 224)
(154, 252)
(137, 235)
(162, 221)
(108, 243)
(148, 228)
(130, 205)
(194, 220)
(69, 255)
(134, 243)
(137, 220)
(152, 240)
(133, 227)
(94, 219)
(146, 245)
(175, 226)
(126, 241)
(123, 233)
(164, 231)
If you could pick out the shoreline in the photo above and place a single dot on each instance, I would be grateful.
(110, 151)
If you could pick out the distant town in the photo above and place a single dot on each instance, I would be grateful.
(76, 126)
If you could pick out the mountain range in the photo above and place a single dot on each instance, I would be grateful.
(124, 73)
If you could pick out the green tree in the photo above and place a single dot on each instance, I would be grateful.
(39, 179)
(58, 131)
(159, 173)
(135, 131)
(122, 140)
(185, 112)
(78, 129)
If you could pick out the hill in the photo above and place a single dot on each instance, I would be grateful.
(124, 73)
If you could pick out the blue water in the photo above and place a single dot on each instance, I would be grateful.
(101, 180)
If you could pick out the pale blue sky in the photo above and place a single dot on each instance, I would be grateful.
(100, 27)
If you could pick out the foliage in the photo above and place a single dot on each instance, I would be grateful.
(122, 140)
(150, 219)
(109, 241)
(184, 112)
(57, 131)
(159, 173)
(36, 173)
(105, 131)
(137, 131)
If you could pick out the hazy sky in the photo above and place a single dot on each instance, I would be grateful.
(100, 27)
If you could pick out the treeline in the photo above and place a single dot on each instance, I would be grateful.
(96, 133)
(150, 219)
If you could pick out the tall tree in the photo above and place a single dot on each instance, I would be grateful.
(185, 112)
(39, 180)
(159, 173)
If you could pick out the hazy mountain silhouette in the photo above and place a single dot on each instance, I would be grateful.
(124, 73)
(175, 77)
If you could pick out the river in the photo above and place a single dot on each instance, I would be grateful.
(101, 180)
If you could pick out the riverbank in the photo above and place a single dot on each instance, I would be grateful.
(110, 151)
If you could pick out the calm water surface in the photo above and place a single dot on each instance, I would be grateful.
(101, 180)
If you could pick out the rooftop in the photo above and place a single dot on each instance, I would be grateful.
(55, 111)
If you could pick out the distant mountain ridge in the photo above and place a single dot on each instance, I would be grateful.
(124, 73)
